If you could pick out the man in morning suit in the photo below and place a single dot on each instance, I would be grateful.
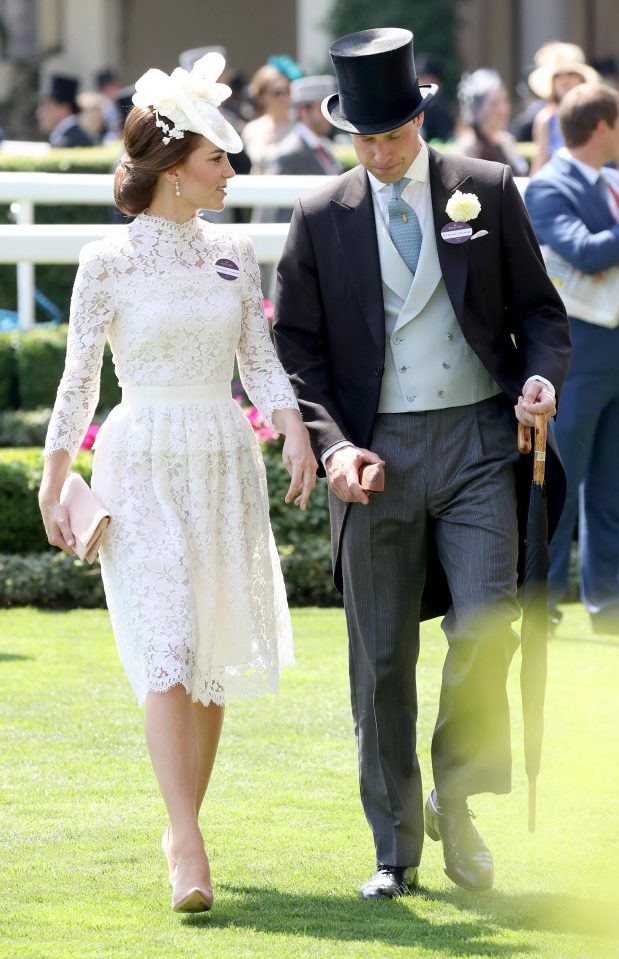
(407, 348)
(574, 205)
(57, 113)
(306, 151)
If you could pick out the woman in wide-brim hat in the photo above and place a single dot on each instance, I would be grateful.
(560, 67)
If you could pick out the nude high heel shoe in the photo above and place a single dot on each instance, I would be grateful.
(193, 900)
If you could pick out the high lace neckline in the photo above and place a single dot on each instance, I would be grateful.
(170, 228)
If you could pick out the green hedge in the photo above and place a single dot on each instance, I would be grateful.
(31, 364)
(76, 160)
(302, 538)
(49, 580)
(56, 280)
(24, 427)
(8, 372)
(21, 529)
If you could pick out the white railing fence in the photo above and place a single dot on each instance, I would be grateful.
(26, 243)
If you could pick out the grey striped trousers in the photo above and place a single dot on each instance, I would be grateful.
(450, 476)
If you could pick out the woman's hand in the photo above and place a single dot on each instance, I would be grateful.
(56, 522)
(55, 517)
(297, 457)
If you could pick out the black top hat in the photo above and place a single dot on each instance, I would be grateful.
(62, 89)
(103, 77)
(377, 84)
(124, 101)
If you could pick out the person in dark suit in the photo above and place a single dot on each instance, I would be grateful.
(438, 124)
(306, 150)
(57, 113)
(407, 348)
(574, 205)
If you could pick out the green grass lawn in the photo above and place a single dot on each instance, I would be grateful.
(82, 875)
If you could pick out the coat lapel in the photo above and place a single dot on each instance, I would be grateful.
(353, 219)
(453, 257)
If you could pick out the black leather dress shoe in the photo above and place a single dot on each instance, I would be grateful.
(389, 882)
(468, 861)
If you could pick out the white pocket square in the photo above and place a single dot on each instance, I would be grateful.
(479, 234)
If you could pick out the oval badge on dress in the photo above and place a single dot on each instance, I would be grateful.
(456, 232)
(227, 269)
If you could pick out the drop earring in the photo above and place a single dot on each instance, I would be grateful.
(177, 187)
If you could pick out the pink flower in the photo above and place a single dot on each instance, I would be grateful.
(269, 310)
(260, 426)
(91, 435)
(253, 415)
(265, 434)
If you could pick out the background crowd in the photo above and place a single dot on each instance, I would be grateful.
(266, 107)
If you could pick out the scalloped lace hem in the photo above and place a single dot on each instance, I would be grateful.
(242, 688)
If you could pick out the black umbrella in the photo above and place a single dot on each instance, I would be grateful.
(534, 599)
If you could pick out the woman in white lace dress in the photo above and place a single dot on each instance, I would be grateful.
(190, 569)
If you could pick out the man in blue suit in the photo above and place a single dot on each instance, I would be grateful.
(574, 205)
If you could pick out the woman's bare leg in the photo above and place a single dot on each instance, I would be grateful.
(171, 735)
(208, 722)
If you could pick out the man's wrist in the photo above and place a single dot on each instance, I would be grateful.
(332, 449)
(542, 379)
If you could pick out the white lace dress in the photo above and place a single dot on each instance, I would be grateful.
(190, 569)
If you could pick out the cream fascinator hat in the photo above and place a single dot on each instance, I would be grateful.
(554, 58)
(190, 101)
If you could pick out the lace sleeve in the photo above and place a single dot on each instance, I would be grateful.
(262, 374)
(92, 309)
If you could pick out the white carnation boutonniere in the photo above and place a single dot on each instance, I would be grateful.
(461, 208)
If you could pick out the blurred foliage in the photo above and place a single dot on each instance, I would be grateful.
(21, 529)
(50, 580)
(303, 539)
(433, 23)
(76, 160)
(31, 365)
(24, 427)
(8, 372)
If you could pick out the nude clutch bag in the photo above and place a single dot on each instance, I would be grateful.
(88, 518)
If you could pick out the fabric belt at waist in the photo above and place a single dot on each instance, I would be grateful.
(164, 395)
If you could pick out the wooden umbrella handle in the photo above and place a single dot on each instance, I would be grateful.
(525, 446)
(539, 457)
(524, 438)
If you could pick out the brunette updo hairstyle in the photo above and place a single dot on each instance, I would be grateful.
(146, 157)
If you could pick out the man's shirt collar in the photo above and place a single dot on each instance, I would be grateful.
(590, 173)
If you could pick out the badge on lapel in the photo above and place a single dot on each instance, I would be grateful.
(227, 269)
(461, 207)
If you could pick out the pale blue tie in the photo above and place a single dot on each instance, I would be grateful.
(404, 226)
